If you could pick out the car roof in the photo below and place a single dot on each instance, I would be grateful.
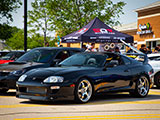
(59, 48)
(153, 55)
(100, 53)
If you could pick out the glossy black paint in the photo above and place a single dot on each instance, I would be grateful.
(104, 79)
(8, 79)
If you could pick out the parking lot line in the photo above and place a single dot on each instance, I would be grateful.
(90, 103)
(97, 117)
(20, 105)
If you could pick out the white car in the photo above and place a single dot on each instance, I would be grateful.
(154, 61)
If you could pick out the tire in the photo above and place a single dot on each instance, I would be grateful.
(3, 90)
(83, 91)
(157, 80)
(142, 87)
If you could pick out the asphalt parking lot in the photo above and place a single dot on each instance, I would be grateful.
(105, 107)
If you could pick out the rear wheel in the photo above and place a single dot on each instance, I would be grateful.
(157, 80)
(83, 91)
(3, 90)
(142, 87)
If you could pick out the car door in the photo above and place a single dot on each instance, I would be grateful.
(117, 77)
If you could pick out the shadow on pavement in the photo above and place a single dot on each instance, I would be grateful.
(8, 94)
(109, 98)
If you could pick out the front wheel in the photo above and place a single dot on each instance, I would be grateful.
(157, 80)
(83, 91)
(142, 87)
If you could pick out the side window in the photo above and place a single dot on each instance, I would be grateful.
(62, 55)
(126, 61)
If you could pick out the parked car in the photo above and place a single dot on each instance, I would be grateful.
(2, 53)
(154, 61)
(82, 75)
(11, 56)
(35, 58)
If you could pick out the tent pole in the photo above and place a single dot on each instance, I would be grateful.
(81, 44)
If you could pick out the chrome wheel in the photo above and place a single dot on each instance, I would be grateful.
(84, 91)
(143, 86)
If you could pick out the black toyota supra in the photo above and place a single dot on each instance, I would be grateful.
(83, 75)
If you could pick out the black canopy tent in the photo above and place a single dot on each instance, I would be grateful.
(98, 32)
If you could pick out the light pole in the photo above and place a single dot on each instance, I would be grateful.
(25, 25)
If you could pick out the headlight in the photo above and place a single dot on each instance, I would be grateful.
(54, 79)
(22, 78)
(18, 72)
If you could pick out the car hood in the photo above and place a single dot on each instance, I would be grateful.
(18, 66)
(154, 63)
(43, 73)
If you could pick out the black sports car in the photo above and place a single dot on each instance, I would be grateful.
(36, 58)
(82, 75)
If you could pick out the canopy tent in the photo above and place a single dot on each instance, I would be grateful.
(98, 32)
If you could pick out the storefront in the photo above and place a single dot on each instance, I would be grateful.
(147, 28)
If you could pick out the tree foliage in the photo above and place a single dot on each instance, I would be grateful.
(17, 41)
(7, 7)
(40, 19)
(71, 15)
(6, 31)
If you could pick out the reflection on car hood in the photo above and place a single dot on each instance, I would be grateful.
(17, 66)
(46, 72)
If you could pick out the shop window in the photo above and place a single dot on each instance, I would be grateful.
(154, 44)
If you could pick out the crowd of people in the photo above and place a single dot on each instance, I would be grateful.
(91, 48)
(144, 49)
(147, 50)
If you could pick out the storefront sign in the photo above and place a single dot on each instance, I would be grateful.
(145, 29)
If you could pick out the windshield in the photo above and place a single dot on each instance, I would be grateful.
(84, 60)
(38, 55)
(9, 56)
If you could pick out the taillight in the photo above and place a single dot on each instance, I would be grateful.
(150, 72)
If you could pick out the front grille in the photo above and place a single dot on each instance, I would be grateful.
(38, 90)
(54, 91)
(22, 89)
(3, 84)
(4, 73)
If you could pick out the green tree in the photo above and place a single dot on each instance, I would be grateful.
(6, 31)
(36, 40)
(7, 7)
(40, 19)
(17, 41)
(71, 15)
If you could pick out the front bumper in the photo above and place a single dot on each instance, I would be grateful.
(8, 81)
(45, 92)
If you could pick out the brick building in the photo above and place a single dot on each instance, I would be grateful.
(147, 28)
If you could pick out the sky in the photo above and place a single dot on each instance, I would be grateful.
(129, 15)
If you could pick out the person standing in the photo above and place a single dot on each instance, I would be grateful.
(143, 49)
(91, 48)
(116, 50)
